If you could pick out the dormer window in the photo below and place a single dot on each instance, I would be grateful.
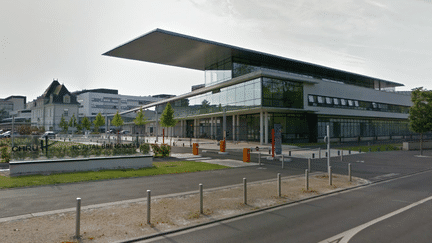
(66, 99)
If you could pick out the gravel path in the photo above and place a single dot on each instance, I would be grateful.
(127, 220)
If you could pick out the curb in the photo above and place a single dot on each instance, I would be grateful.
(267, 209)
(144, 199)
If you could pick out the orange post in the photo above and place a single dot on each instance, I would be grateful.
(222, 145)
(246, 155)
(195, 149)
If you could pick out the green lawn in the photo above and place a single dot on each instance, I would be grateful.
(374, 147)
(159, 168)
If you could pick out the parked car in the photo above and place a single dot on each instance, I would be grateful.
(125, 132)
(112, 131)
(9, 133)
(49, 134)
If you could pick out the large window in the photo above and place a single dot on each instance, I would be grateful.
(236, 97)
(351, 128)
(282, 93)
(333, 102)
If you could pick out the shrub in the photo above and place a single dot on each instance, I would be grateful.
(5, 155)
(144, 148)
(163, 150)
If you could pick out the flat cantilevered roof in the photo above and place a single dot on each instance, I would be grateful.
(174, 49)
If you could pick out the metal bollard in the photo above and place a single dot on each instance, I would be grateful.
(307, 179)
(283, 162)
(279, 184)
(338, 152)
(326, 154)
(201, 198)
(349, 172)
(244, 191)
(349, 151)
(330, 176)
(341, 155)
(313, 156)
(289, 153)
(78, 218)
(309, 164)
(148, 206)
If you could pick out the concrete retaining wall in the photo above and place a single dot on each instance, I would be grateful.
(79, 164)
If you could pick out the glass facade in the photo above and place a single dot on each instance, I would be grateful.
(334, 102)
(351, 128)
(281, 93)
(236, 97)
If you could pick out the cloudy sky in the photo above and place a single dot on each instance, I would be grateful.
(59, 39)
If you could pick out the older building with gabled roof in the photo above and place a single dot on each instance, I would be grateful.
(48, 108)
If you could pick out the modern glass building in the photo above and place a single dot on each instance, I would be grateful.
(247, 92)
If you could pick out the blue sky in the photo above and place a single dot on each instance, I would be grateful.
(58, 39)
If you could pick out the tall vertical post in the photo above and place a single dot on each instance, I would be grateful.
(224, 123)
(266, 127)
(307, 180)
(279, 184)
(330, 176)
(156, 124)
(319, 153)
(244, 191)
(259, 158)
(13, 131)
(341, 155)
(328, 145)
(261, 128)
(148, 206)
(201, 198)
(349, 172)
(78, 218)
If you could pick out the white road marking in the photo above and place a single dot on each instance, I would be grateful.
(384, 176)
(347, 235)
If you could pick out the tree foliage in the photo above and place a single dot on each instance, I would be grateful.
(140, 118)
(63, 124)
(86, 123)
(99, 121)
(167, 117)
(73, 122)
(420, 114)
(117, 120)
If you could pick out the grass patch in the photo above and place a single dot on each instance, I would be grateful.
(159, 168)
(374, 147)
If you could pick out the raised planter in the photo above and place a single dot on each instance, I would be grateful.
(79, 164)
(416, 145)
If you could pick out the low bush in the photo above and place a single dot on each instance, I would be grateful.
(144, 148)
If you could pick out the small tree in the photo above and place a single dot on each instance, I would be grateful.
(420, 114)
(73, 122)
(167, 117)
(86, 123)
(140, 119)
(118, 122)
(99, 121)
(63, 124)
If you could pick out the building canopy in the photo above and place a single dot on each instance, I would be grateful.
(174, 49)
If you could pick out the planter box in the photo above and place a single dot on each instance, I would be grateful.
(79, 164)
(416, 145)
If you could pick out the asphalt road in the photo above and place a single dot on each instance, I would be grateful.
(321, 219)
(372, 166)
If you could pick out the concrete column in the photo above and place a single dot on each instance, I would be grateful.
(211, 127)
(233, 127)
(266, 130)
(238, 127)
(261, 128)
